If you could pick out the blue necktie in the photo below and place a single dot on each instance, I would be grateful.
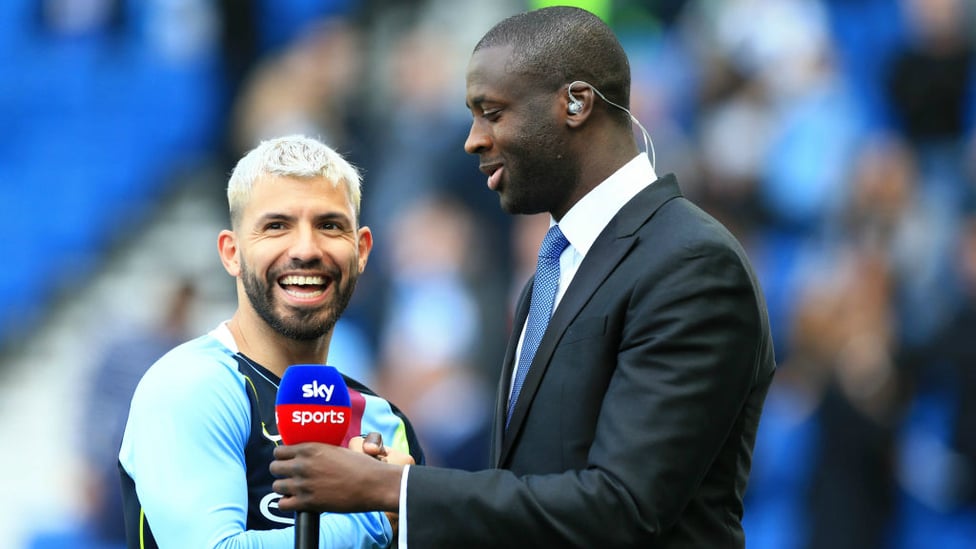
(540, 309)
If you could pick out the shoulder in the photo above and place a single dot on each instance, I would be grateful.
(193, 397)
(382, 416)
(681, 242)
(196, 369)
(679, 226)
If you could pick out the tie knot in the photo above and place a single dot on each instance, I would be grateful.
(553, 244)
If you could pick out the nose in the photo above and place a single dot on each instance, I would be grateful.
(478, 140)
(304, 244)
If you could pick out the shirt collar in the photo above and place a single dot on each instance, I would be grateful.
(584, 222)
(222, 334)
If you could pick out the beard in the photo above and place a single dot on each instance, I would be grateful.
(540, 173)
(299, 323)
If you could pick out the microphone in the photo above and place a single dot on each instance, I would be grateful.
(312, 406)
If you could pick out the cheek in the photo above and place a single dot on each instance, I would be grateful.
(257, 261)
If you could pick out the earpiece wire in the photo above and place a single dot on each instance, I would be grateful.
(648, 144)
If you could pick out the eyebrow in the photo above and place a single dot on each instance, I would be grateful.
(475, 101)
(334, 216)
(274, 216)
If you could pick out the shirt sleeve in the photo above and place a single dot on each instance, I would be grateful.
(402, 536)
(184, 448)
(379, 416)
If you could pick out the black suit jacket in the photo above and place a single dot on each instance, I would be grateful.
(636, 422)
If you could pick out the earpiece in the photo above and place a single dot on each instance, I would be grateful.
(575, 105)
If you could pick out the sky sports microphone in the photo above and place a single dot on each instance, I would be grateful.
(312, 406)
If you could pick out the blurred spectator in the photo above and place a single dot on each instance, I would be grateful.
(827, 453)
(931, 79)
(931, 93)
(113, 381)
(953, 345)
(121, 362)
(852, 489)
(415, 135)
(886, 209)
(936, 469)
(433, 332)
(254, 30)
(304, 88)
(940, 496)
(789, 438)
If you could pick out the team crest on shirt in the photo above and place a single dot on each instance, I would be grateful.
(269, 509)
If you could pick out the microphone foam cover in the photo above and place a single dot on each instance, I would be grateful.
(312, 405)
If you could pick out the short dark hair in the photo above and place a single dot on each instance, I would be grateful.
(560, 44)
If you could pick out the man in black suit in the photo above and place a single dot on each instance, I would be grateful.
(634, 423)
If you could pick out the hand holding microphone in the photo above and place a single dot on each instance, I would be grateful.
(312, 407)
(326, 478)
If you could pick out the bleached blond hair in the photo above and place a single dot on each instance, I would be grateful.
(294, 156)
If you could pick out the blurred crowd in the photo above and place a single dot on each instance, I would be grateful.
(833, 137)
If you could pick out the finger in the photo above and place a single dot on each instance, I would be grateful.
(375, 438)
(356, 444)
(288, 503)
(373, 445)
(285, 452)
(280, 468)
(282, 486)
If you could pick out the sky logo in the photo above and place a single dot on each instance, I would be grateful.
(316, 390)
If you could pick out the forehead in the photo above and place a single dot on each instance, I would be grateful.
(274, 193)
(490, 69)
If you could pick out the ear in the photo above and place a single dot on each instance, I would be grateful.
(365, 238)
(227, 248)
(582, 97)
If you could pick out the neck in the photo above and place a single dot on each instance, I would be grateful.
(272, 350)
(596, 165)
(617, 147)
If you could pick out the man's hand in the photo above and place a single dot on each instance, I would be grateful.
(324, 478)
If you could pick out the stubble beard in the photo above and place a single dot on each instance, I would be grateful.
(540, 174)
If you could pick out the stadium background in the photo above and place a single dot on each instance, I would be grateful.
(834, 137)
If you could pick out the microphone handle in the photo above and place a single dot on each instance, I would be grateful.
(306, 530)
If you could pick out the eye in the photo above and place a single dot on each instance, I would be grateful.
(491, 114)
(331, 226)
(274, 226)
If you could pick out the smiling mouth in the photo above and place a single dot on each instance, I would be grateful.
(304, 287)
(494, 173)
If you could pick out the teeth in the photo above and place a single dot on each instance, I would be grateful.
(295, 280)
(314, 293)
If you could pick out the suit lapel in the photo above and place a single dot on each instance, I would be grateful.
(609, 249)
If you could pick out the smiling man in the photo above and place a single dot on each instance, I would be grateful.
(201, 428)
